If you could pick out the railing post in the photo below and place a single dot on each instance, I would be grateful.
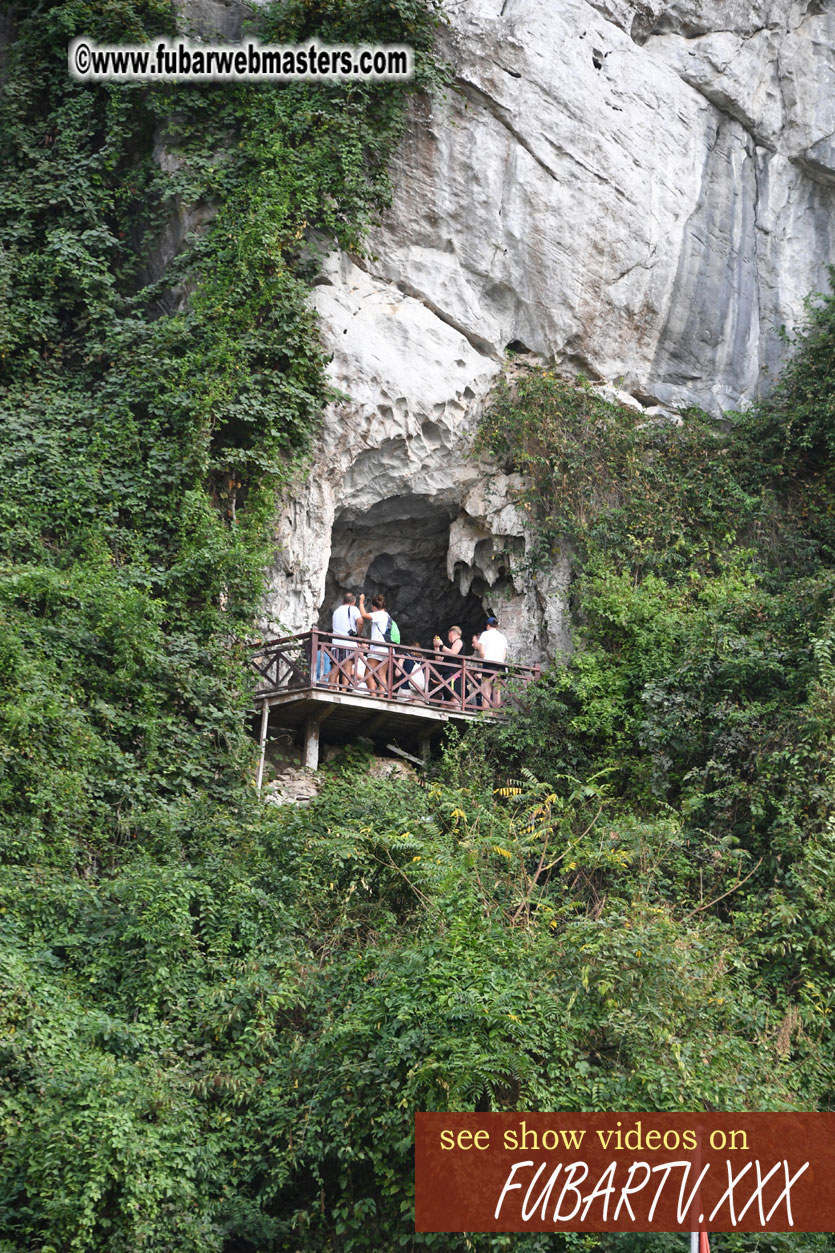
(390, 674)
(314, 657)
(463, 684)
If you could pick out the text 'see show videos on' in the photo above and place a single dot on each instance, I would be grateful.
(697, 1172)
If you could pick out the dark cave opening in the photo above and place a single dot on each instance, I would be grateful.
(399, 547)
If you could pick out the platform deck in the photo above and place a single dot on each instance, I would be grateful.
(315, 683)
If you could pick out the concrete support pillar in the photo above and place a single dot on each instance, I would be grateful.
(262, 744)
(311, 744)
(425, 748)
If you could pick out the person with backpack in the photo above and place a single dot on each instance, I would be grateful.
(383, 630)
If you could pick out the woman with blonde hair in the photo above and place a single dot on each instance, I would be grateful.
(449, 671)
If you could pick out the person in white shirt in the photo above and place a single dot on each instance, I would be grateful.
(491, 646)
(376, 674)
(412, 671)
(345, 630)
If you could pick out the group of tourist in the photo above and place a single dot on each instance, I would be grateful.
(373, 660)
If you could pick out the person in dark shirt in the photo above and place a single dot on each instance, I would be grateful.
(452, 690)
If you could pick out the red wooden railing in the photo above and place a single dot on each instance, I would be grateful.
(320, 659)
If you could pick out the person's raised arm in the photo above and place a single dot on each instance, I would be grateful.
(364, 614)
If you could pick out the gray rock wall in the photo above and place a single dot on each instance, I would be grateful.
(648, 211)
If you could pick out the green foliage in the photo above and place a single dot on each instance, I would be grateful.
(151, 415)
(701, 687)
(794, 427)
(655, 496)
(245, 1037)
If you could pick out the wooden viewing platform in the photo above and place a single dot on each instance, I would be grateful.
(319, 683)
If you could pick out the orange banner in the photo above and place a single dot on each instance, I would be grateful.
(624, 1172)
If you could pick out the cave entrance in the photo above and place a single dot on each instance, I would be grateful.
(399, 547)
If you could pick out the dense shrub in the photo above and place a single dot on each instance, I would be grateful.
(701, 686)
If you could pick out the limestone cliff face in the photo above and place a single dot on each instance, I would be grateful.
(642, 190)
(638, 189)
